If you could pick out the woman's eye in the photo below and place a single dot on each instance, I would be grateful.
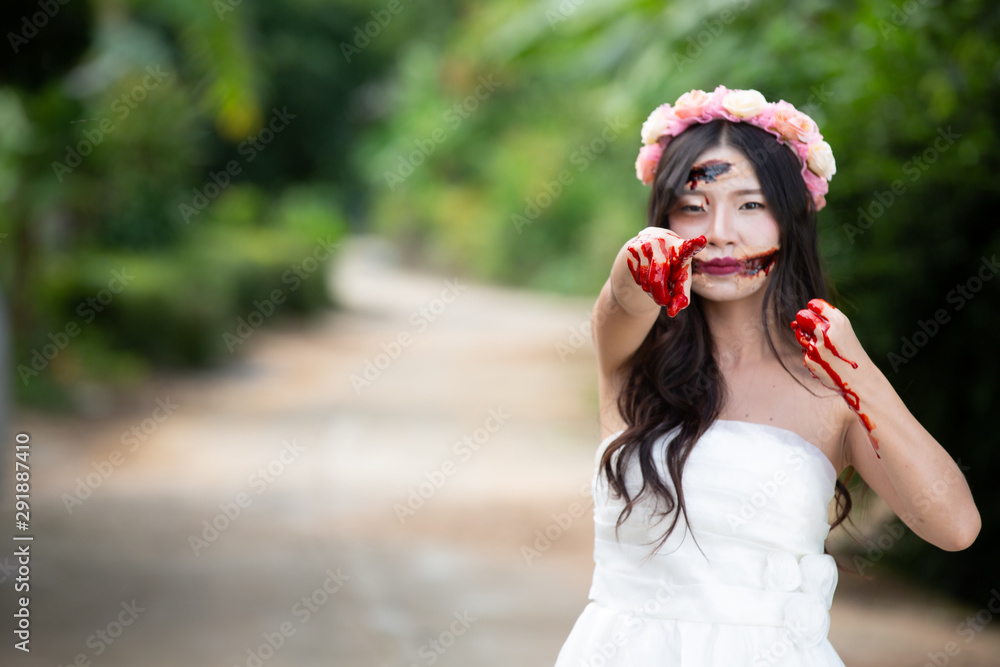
(752, 205)
(691, 208)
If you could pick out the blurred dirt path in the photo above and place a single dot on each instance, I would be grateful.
(402, 482)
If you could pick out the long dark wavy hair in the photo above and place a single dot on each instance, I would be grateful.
(672, 380)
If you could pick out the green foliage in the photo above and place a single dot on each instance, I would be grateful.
(136, 310)
(143, 108)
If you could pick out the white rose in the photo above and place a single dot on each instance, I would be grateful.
(821, 160)
(744, 103)
(657, 123)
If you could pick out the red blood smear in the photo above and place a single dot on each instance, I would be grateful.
(816, 306)
(640, 273)
(765, 260)
(664, 281)
(805, 325)
(707, 172)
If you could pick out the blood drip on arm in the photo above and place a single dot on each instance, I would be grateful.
(805, 325)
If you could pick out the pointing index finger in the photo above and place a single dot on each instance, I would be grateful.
(691, 247)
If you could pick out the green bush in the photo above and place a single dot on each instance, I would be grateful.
(134, 311)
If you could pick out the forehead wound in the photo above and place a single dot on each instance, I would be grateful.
(712, 171)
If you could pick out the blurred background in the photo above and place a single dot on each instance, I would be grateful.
(296, 294)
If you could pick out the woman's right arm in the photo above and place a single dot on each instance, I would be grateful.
(630, 302)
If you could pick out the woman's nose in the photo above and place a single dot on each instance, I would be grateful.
(722, 228)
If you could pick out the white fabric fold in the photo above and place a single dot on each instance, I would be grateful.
(746, 583)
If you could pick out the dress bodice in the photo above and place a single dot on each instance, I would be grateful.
(757, 499)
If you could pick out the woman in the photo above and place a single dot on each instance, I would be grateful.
(726, 429)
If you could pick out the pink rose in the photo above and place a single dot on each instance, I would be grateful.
(691, 105)
(765, 120)
(645, 164)
(714, 108)
(816, 185)
(794, 125)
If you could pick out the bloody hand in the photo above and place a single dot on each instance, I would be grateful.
(820, 353)
(666, 269)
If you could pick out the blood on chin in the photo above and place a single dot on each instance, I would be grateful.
(726, 287)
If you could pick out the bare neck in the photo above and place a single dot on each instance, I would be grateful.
(738, 331)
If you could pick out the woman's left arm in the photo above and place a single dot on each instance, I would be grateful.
(898, 459)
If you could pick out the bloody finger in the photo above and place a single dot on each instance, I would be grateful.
(817, 306)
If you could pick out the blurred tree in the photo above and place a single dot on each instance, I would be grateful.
(118, 113)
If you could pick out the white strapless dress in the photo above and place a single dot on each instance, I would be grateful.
(758, 591)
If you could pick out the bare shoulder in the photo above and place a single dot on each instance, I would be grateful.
(819, 414)
(788, 397)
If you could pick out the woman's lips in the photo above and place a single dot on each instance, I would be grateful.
(719, 267)
(726, 266)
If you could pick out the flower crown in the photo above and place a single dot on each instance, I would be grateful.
(790, 126)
